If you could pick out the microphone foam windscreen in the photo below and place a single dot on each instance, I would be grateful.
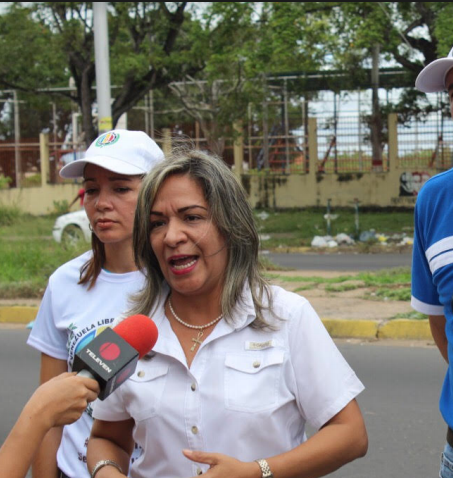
(139, 331)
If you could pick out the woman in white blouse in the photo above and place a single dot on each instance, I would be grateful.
(240, 366)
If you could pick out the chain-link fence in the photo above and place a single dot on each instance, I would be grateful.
(275, 138)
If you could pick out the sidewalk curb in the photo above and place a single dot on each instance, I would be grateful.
(344, 328)
(402, 329)
(17, 314)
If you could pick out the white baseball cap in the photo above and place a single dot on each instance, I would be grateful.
(432, 77)
(121, 151)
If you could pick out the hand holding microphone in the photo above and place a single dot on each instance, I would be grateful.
(58, 402)
(111, 357)
(62, 399)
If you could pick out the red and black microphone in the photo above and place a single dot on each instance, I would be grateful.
(111, 357)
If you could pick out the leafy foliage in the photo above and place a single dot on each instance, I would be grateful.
(4, 181)
(218, 56)
(59, 37)
(9, 215)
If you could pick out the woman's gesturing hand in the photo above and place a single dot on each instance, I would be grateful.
(223, 465)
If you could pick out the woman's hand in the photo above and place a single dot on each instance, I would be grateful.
(224, 466)
(342, 439)
(58, 401)
(62, 399)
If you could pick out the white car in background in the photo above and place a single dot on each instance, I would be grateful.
(72, 228)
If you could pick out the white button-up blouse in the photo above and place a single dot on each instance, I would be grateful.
(248, 393)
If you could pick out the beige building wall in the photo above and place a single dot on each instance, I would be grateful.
(40, 200)
(296, 191)
(273, 191)
(379, 189)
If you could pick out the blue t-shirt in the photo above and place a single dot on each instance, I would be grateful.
(432, 265)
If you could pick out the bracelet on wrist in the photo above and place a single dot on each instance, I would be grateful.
(102, 463)
(265, 470)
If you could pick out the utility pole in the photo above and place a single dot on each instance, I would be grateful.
(101, 55)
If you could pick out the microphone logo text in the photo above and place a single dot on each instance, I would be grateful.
(99, 361)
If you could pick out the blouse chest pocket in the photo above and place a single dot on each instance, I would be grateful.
(252, 380)
(147, 389)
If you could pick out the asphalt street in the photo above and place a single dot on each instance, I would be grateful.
(340, 261)
(400, 403)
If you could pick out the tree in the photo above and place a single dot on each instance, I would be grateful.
(243, 44)
(411, 34)
(218, 95)
(145, 47)
(217, 56)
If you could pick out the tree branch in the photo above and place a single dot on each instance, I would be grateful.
(82, 18)
(176, 20)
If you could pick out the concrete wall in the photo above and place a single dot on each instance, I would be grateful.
(377, 189)
(40, 200)
(381, 189)
(267, 190)
(273, 191)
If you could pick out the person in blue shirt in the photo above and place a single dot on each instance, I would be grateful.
(432, 261)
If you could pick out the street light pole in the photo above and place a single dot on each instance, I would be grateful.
(101, 55)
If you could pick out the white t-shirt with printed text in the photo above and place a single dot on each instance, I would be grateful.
(69, 317)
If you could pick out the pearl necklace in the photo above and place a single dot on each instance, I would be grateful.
(197, 340)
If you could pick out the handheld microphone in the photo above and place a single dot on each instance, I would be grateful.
(111, 357)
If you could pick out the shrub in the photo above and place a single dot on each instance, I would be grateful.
(4, 181)
(9, 215)
(61, 207)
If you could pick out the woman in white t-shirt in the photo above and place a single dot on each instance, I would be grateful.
(86, 294)
(239, 367)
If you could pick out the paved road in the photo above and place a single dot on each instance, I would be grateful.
(340, 262)
(400, 405)
(406, 432)
(19, 375)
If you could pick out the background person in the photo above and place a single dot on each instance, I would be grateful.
(240, 366)
(79, 197)
(85, 295)
(432, 262)
(58, 402)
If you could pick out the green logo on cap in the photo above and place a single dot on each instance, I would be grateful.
(107, 139)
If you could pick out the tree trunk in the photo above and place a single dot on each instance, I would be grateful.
(216, 146)
(90, 132)
(215, 141)
(376, 117)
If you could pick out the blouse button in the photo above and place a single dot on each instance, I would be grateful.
(141, 373)
(193, 387)
(199, 471)
(256, 364)
(194, 430)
